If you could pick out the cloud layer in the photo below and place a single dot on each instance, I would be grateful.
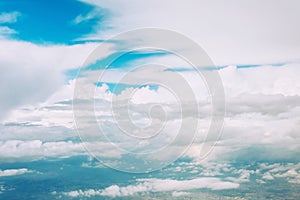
(156, 185)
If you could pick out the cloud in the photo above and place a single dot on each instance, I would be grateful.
(36, 149)
(216, 175)
(4, 30)
(17, 150)
(9, 17)
(94, 14)
(30, 73)
(261, 113)
(232, 33)
(14, 172)
(288, 171)
(157, 185)
(261, 116)
(264, 79)
(179, 194)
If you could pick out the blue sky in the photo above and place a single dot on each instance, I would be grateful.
(54, 23)
(66, 133)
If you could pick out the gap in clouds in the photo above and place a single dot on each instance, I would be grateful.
(55, 22)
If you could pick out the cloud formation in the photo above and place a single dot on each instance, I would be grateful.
(157, 185)
(13, 172)
(30, 73)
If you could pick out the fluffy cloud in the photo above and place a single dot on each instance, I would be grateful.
(270, 106)
(30, 73)
(265, 79)
(214, 176)
(261, 116)
(288, 171)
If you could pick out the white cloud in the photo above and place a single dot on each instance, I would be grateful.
(267, 176)
(157, 185)
(13, 172)
(14, 150)
(231, 32)
(288, 171)
(262, 80)
(258, 113)
(36, 149)
(30, 74)
(11, 17)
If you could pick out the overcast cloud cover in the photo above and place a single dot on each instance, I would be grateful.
(255, 47)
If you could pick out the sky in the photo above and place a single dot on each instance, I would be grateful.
(149, 99)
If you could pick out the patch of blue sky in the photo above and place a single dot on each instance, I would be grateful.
(118, 60)
(117, 88)
(71, 74)
(124, 60)
(45, 22)
(246, 66)
(186, 69)
(261, 65)
(211, 68)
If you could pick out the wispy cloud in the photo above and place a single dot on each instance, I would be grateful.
(4, 30)
(9, 17)
(94, 14)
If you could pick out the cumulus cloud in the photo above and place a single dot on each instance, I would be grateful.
(288, 171)
(263, 113)
(30, 73)
(216, 175)
(261, 116)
